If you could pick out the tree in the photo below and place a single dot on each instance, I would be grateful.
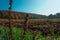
(51, 16)
(58, 15)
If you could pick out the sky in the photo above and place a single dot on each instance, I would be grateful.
(44, 7)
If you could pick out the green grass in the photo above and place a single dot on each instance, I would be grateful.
(17, 34)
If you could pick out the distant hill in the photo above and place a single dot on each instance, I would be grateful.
(21, 15)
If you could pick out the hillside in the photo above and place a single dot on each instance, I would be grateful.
(21, 15)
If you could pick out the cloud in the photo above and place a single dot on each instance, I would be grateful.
(52, 7)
